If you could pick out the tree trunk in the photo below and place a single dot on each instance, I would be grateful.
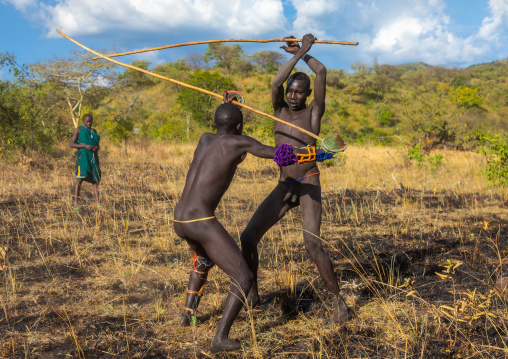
(187, 127)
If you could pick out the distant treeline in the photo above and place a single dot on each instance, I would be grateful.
(377, 104)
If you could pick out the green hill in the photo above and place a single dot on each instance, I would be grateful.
(414, 66)
(378, 104)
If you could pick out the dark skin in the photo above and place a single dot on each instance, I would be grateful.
(199, 274)
(211, 171)
(291, 106)
(88, 123)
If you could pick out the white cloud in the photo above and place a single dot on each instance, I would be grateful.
(422, 31)
(82, 17)
(102, 81)
(313, 16)
(21, 5)
(391, 31)
(493, 25)
(394, 35)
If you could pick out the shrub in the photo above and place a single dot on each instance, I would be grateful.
(385, 115)
(435, 161)
(466, 97)
(339, 109)
(497, 159)
(425, 161)
(416, 155)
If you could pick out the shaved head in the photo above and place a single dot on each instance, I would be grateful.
(228, 116)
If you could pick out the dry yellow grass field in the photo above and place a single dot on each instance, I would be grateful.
(417, 253)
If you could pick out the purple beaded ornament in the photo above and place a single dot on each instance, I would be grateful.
(285, 156)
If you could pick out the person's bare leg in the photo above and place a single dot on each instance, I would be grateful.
(77, 189)
(224, 252)
(95, 187)
(197, 281)
(269, 212)
(310, 202)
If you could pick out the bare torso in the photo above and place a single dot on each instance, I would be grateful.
(210, 174)
(291, 136)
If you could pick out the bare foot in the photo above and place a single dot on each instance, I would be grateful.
(224, 345)
(253, 297)
(342, 313)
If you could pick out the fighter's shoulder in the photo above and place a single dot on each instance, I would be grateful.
(232, 140)
(235, 143)
(206, 137)
(205, 145)
(316, 110)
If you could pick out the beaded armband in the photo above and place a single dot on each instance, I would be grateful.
(311, 155)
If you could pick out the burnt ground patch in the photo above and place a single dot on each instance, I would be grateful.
(120, 288)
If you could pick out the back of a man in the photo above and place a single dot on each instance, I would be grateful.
(211, 171)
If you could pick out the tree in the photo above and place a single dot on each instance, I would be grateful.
(27, 110)
(268, 61)
(177, 70)
(360, 81)
(194, 61)
(466, 97)
(198, 103)
(415, 78)
(429, 117)
(224, 56)
(496, 154)
(336, 78)
(124, 103)
(169, 125)
(135, 79)
(73, 76)
(384, 78)
(118, 121)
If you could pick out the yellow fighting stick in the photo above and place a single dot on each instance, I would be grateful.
(225, 40)
(330, 143)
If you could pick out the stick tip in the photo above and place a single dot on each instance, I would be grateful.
(340, 141)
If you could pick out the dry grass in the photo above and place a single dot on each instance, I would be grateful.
(110, 282)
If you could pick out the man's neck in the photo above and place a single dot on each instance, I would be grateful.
(224, 132)
(297, 111)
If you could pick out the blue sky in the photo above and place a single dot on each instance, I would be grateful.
(438, 32)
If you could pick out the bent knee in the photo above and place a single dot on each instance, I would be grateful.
(247, 279)
(244, 281)
(314, 249)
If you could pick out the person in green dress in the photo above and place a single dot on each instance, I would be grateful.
(86, 140)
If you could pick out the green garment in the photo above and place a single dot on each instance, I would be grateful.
(87, 165)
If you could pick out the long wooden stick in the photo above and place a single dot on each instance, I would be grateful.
(226, 40)
(190, 86)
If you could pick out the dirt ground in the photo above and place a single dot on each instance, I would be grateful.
(417, 253)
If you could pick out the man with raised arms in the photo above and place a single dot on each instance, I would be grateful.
(298, 185)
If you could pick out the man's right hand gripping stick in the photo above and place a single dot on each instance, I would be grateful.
(286, 156)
